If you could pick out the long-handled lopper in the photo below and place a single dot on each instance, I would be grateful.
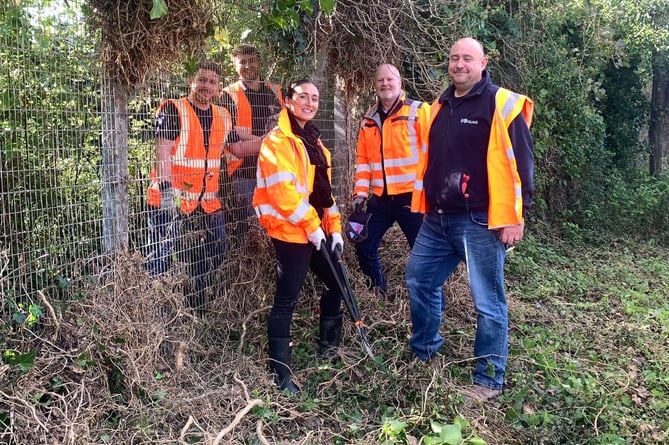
(339, 272)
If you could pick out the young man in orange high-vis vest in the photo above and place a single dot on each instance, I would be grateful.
(184, 189)
(474, 184)
(255, 102)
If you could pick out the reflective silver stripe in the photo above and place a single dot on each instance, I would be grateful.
(408, 177)
(413, 141)
(233, 92)
(506, 110)
(264, 209)
(279, 177)
(298, 214)
(227, 120)
(362, 168)
(362, 183)
(195, 196)
(180, 153)
(179, 157)
(517, 186)
(302, 188)
(377, 182)
(191, 163)
(509, 153)
(402, 162)
(418, 185)
(509, 105)
(334, 210)
(376, 166)
(294, 218)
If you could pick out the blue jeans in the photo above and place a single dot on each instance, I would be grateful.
(385, 210)
(163, 229)
(201, 245)
(444, 241)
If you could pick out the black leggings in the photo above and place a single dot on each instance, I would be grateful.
(293, 261)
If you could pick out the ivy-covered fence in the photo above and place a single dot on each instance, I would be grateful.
(64, 158)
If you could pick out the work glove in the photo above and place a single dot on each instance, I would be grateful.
(337, 242)
(316, 238)
(358, 203)
(168, 198)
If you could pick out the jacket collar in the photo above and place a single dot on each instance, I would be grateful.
(310, 130)
(377, 107)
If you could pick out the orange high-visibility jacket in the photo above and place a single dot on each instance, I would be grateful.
(236, 91)
(285, 181)
(392, 149)
(506, 201)
(195, 171)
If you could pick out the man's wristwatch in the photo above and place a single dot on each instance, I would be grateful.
(164, 185)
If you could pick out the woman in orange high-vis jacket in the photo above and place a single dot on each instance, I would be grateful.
(294, 203)
(190, 133)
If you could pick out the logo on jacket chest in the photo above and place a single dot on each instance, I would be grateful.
(464, 120)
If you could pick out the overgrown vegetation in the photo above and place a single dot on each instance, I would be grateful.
(122, 361)
(93, 351)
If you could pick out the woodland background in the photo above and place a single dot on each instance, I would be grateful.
(94, 351)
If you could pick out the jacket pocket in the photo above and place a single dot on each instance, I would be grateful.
(479, 218)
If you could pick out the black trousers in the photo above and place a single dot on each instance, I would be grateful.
(293, 262)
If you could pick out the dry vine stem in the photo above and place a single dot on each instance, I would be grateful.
(240, 415)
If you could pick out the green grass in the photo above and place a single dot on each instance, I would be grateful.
(589, 343)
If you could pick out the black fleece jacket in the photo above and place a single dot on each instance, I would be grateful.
(458, 148)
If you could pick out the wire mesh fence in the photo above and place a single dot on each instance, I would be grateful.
(64, 180)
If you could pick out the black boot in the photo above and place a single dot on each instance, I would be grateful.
(279, 363)
(330, 336)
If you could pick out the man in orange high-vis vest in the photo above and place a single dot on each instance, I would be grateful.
(255, 103)
(474, 184)
(392, 134)
(184, 189)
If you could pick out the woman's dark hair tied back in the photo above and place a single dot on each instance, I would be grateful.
(296, 84)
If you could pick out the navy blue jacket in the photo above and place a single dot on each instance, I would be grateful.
(458, 147)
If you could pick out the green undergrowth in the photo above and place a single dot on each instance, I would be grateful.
(589, 356)
(589, 337)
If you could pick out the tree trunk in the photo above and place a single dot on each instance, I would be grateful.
(115, 193)
(658, 134)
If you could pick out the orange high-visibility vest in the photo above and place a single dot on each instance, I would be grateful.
(285, 181)
(195, 171)
(505, 206)
(236, 91)
(402, 137)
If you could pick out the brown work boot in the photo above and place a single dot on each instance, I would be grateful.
(480, 393)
